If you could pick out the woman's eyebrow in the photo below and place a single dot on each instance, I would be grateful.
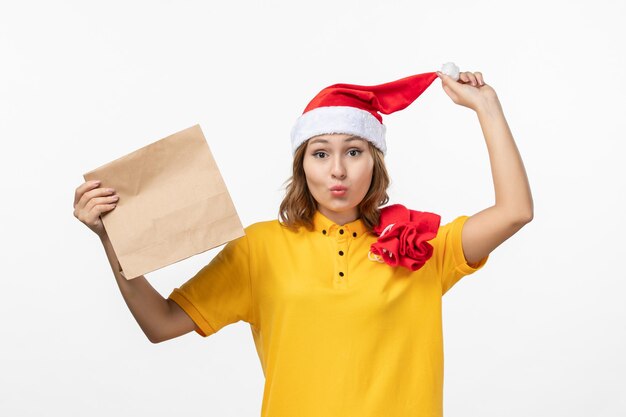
(348, 139)
(351, 138)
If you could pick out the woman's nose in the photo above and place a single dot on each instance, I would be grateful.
(338, 169)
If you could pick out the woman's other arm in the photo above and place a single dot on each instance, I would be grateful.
(513, 208)
(160, 319)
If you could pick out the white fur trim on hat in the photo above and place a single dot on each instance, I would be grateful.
(338, 119)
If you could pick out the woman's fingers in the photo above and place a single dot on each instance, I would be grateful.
(473, 78)
(479, 77)
(93, 193)
(97, 204)
(103, 206)
(90, 201)
(82, 189)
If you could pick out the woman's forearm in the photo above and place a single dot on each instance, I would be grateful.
(512, 190)
(148, 307)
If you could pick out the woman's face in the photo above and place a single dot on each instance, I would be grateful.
(338, 171)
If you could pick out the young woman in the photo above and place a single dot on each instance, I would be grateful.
(343, 297)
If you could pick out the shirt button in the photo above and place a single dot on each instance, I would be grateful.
(341, 274)
(340, 253)
(341, 231)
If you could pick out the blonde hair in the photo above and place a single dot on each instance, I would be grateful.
(299, 206)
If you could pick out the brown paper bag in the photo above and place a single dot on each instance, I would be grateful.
(173, 203)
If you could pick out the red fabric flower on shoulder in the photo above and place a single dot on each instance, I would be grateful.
(403, 237)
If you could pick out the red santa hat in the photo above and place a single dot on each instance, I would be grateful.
(354, 109)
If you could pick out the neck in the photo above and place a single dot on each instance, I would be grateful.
(340, 217)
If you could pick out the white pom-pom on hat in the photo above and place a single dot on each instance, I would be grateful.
(451, 69)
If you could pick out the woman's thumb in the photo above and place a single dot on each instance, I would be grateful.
(447, 81)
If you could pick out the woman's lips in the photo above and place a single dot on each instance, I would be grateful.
(338, 191)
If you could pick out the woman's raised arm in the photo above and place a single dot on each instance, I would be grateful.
(159, 318)
(513, 208)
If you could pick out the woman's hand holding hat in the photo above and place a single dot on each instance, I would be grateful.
(468, 90)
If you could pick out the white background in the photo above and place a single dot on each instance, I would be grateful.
(538, 332)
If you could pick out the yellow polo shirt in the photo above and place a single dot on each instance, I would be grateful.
(338, 334)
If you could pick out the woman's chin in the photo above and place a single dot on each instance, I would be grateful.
(338, 206)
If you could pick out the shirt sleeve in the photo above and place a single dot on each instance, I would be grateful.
(220, 293)
(448, 254)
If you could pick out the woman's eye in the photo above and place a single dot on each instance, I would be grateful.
(323, 155)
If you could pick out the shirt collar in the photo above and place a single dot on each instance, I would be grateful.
(327, 227)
